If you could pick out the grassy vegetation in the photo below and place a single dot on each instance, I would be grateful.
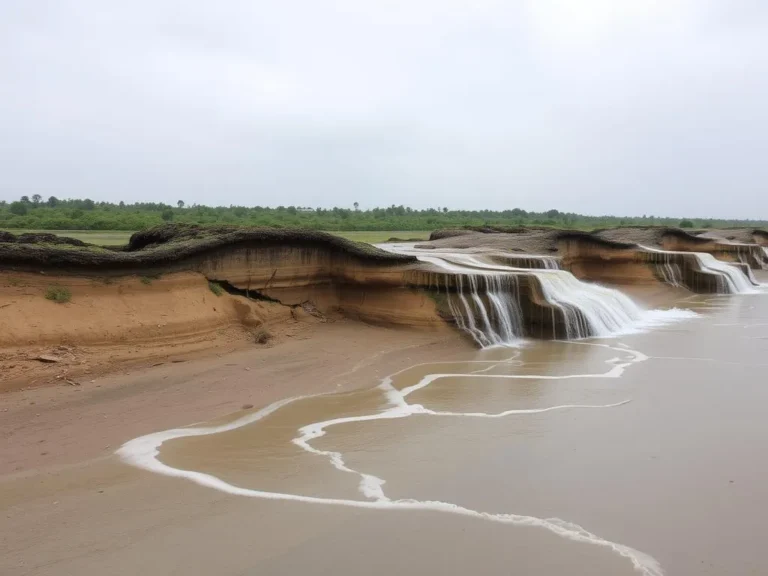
(379, 236)
(86, 214)
(120, 237)
(215, 288)
(146, 280)
(262, 337)
(101, 237)
(58, 294)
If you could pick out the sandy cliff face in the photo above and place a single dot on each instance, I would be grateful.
(166, 306)
(616, 264)
(152, 298)
(332, 282)
(110, 321)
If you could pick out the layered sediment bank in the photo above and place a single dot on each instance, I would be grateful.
(70, 309)
(624, 256)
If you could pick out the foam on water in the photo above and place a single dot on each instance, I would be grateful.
(143, 452)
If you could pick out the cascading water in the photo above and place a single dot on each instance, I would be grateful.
(500, 318)
(730, 279)
(589, 309)
(734, 279)
(485, 300)
(670, 271)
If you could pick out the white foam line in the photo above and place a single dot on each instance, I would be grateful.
(495, 366)
(143, 453)
(718, 360)
(523, 411)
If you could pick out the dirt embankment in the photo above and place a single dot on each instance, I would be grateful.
(618, 255)
(106, 324)
(574, 246)
(524, 240)
(68, 310)
(675, 239)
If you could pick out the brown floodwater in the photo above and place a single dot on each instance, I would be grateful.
(638, 454)
(642, 454)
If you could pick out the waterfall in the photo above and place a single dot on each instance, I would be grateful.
(670, 271)
(484, 297)
(587, 309)
(730, 278)
(500, 319)
(733, 279)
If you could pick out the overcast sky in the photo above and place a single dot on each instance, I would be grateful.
(625, 107)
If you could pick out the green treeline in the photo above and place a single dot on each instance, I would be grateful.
(54, 214)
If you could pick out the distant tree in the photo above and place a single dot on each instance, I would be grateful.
(167, 215)
(52, 202)
(25, 199)
(445, 210)
(553, 213)
(88, 204)
(36, 198)
(180, 203)
(122, 204)
(18, 208)
(357, 206)
(685, 224)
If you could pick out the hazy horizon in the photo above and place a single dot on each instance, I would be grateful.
(596, 107)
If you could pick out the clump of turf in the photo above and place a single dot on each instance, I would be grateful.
(262, 337)
(58, 294)
(215, 288)
(146, 280)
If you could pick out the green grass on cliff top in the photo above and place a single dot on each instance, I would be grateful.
(120, 237)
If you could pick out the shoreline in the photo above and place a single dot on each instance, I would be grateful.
(52, 427)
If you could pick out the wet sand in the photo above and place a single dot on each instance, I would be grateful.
(652, 441)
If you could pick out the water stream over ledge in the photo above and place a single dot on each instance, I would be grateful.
(487, 300)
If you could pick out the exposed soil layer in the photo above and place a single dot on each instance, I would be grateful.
(69, 309)
(524, 241)
(549, 241)
(110, 324)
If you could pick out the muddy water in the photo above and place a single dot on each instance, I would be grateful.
(641, 454)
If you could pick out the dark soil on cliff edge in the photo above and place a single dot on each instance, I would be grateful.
(740, 235)
(523, 240)
(652, 236)
(546, 240)
(168, 246)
